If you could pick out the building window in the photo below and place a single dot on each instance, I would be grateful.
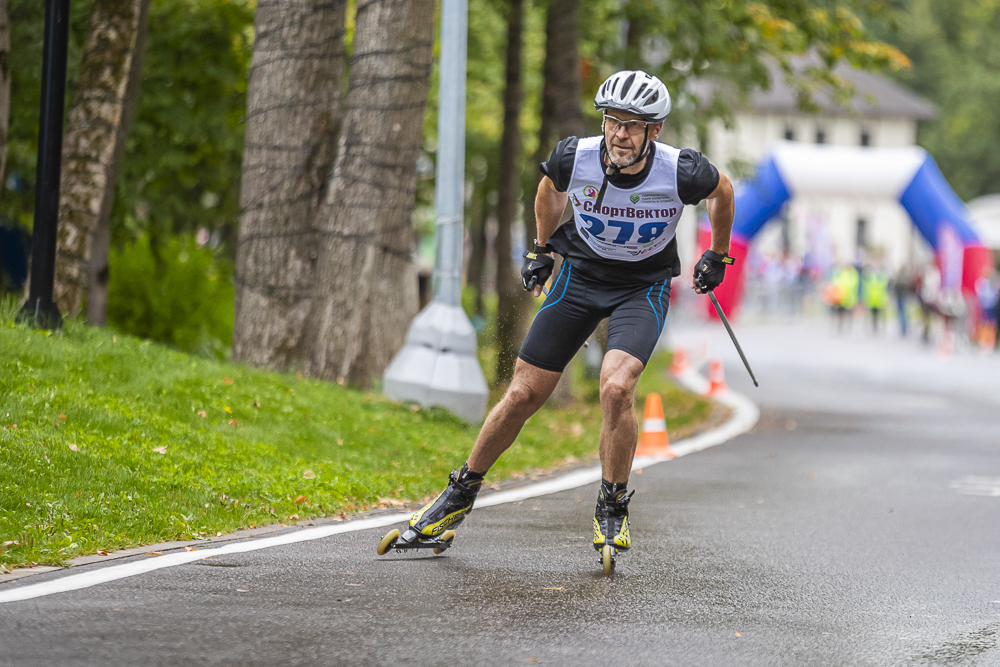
(866, 138)
(820, 135)
(789, 134)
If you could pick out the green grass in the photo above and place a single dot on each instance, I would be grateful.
(83, 413)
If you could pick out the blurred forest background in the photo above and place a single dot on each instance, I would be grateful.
(174, 211)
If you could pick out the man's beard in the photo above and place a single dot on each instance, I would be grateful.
(624, 162)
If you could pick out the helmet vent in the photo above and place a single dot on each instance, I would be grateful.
(628, 84)
(652, 100)
(639, 92)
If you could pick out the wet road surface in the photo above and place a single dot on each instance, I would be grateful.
(857, 524)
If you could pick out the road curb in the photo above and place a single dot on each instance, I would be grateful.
(745, 416)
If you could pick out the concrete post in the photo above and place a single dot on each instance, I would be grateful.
(438, 363)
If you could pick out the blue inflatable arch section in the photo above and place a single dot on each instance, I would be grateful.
(907, 174)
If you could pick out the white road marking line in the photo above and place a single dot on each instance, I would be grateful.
(745, 416)
(976, 485)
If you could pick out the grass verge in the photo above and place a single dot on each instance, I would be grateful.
(109, 442)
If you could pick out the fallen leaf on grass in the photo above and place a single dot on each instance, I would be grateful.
(309, 474)
(292, 517)
(256, 404)
(62, 416)
(74, 447)
(300, 499)
(232, 422)
(160, 450)
(102, 553)
(114, 339)
(154, 553)
(218, 534)
(227, 380)
(11, 543)
(202, 413)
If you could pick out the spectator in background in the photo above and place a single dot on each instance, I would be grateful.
(875, 294)
(988, 296)
(902, 288)
(928, 293)
(845, 294)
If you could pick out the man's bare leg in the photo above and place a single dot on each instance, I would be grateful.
(619, 433)
(528, 391)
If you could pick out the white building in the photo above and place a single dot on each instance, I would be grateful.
(883, 114)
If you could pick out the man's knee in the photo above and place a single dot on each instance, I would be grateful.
(617, 394)
(521, 397)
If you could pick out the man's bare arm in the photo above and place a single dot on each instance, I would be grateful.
(721, 209)
(549, 207)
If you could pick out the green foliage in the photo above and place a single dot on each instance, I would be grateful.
(182, 163)
(85, 415)
(181, 168)
(176, 293)
(956, 64)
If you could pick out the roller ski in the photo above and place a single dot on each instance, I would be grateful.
(432, 526)
(611, 525)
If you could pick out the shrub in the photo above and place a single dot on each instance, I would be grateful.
(176, 293)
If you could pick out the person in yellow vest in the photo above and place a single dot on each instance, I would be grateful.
(875, 294)
(845, 287)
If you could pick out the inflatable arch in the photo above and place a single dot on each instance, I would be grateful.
(907, 174)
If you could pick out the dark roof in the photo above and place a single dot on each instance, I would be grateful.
(891, 100)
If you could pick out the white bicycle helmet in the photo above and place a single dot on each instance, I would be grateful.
(634, 92)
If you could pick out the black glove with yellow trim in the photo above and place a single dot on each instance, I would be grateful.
(710, 271)
(537, 267)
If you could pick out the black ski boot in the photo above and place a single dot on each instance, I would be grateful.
(431, 527)
(611, 524)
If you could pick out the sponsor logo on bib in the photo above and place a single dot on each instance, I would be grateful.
(590, 192)
(634, 198)
(652, 198)
(576, 200)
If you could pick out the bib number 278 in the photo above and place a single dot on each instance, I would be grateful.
(649, 231)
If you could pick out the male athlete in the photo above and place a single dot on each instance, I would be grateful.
(620, 254)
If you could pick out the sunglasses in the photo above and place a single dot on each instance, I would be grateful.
(632, 127)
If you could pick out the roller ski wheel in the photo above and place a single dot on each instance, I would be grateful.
(388, 542)
(447, 537)
(608, 558)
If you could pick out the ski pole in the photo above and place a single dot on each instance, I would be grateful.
(722, 316)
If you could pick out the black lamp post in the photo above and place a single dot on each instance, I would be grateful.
(40, 308)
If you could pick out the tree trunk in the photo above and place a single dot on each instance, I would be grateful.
(99, 271)
(513, 306)
(367, 281)
(293, 107)
(4, 89)
(633, 36)
(561, 117)
(91, 145)
(477, 257)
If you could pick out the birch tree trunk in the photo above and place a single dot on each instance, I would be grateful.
(367, 281)
(91, 144)
(4, 89)
(513, 304)
(99, 271)
(293, 109)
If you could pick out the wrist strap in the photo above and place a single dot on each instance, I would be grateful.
(725, 259)
(542, 248)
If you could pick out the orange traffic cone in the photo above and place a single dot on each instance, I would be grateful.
(653, 440)
(716, 378)
(680, 364)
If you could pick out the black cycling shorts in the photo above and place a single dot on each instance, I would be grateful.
(577, 304)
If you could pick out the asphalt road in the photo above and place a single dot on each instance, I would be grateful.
(857, 524)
